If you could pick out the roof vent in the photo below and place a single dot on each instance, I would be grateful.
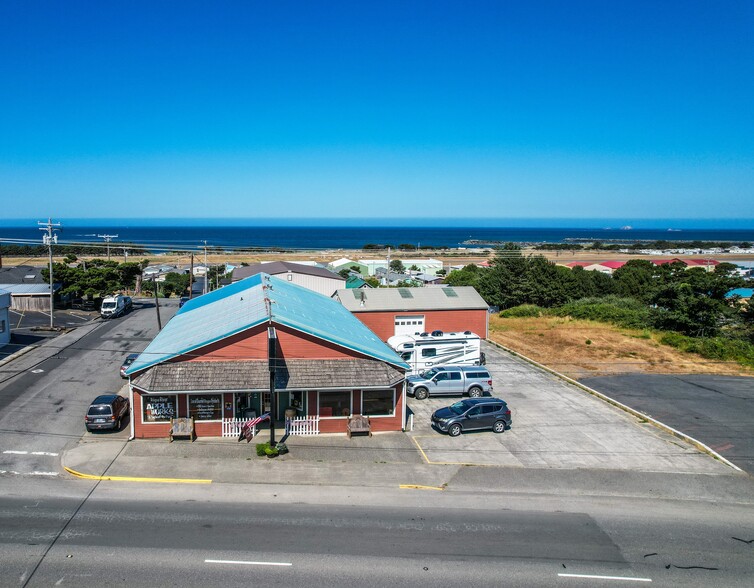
(437, 333)
(425, 334)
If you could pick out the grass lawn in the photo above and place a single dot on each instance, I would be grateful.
(580, 349)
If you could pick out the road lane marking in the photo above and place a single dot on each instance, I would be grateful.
(15, 473)
(14, 452)
(589, 577)
(419, 487)
(248, 563)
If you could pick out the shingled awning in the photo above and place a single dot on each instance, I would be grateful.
(254, 375)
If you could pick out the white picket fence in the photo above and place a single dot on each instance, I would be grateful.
(308, 425)
(232, 427)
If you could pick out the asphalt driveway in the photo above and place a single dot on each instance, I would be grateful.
(716, 410)
(556, 425)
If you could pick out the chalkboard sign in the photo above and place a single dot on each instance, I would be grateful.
(206, 407)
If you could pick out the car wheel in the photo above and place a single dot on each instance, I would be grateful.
(454, 430)
(421, 393)
(118, 424)
(499, 426)
(475, 392)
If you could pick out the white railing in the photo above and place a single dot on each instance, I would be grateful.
(308, 425)
(232, 427)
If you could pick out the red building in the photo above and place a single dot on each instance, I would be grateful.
(213, 361)
(406, 311)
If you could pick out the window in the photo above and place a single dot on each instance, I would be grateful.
(378, 402)
(476, 411)
(441, 377)
(206, 407)
(334, 404)
(2, 326)
(455, 376)
(490, 408)
(429, 352)
(158, 409)
(406, 356)
(478, 375)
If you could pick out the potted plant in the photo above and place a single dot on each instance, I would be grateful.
(271, 452)
(282, 448)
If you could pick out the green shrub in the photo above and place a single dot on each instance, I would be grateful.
(262, 449)
(717, 348)
(623, 312)
(523, 311)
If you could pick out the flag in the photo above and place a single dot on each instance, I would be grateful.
(247, 429)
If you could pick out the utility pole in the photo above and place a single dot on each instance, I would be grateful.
(206, 269)
(125, 255)
(191, 278)
(156, 304)
(387, 278)
(48, 239)
(107, 239)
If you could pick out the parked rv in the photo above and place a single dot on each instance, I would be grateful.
(113, 306)
(424, 351)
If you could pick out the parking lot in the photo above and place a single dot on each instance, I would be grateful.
(555, 425)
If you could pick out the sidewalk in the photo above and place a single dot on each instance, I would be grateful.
(386, 460)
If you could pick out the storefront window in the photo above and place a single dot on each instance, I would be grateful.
(158, 409)
(378, 402)
(334, 404)
(205, 407)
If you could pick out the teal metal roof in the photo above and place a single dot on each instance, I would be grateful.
(255, 300)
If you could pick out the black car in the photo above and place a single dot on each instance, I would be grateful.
(106, 412)
(473, 414)
(182, 301)
(130, 358)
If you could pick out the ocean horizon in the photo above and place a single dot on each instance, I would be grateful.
(185, 236)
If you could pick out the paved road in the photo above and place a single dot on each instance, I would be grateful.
(137, 535)
(716, 410)
(42, 403)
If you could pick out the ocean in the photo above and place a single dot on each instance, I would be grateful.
(161, 238)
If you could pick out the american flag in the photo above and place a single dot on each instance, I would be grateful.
(247, 429)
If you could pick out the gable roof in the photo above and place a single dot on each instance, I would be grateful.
(405, 299)
(22, 274)
(256, 300)
(283, 267)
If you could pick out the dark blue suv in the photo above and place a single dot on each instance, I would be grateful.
(473, 414)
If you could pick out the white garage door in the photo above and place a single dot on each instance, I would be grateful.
(409, 325)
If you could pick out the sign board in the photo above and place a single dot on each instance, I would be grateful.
(205, 407)
(158, 409)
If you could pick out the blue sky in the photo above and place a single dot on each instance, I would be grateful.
(620, 110)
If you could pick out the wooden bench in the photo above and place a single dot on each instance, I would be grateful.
(182, 427)
(358, 424)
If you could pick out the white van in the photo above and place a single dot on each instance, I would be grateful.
(427, 350)
(113, 306)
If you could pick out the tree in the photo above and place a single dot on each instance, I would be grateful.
(397, 266)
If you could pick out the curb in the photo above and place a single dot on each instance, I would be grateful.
(660, 425)
(18, 354)
(134, 479)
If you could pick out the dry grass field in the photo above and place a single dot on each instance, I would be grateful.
(581, 349)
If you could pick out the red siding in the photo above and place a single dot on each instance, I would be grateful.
(252, 344)
(449, 321)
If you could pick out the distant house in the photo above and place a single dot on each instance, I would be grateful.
(27, 287)
(4, 317)
(214, 360)
(405, 311)
(427, 265)
(347, 264)
(312, 277)
(354, 281)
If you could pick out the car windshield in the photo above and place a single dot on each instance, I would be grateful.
(99, 410)
(129, 360)
(107, 305)
(459, 407)
(429, 374)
